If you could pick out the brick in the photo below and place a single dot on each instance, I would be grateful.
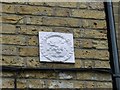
(61, 21)
(12, 61)
(50, 3)
(34, 20)
(35, 3)
(103, 76)
(104, 85)
(28, 51)
(66, 75)
(88, 63)
(88, 14)
(79, 63)
(115, 9)
(9, 29)
(62, 12)
(100, 24)
(8, 2)
(7, 83)
(90, 84)
(34, 10)
(96, 5)
(36, 83)
(32, 40)
(14, 19)
(7, 74)
(21, 83)
(9, 50)
(7, 8)
(42, 3)
(82, 5)
(102, 64)
(100, 44)
(115, 4)
(102, 54)
(13, 39)
(94, 54)
(38, 74)
(67, 4)
(76, 43)
(91, 5)
(93, 76)
(116, 17)
(34, 63)
(79, 84)
(62, 30)
(86, 43)
(90, 43)
(60, 84)
(33, 30)
(85, 75)
(76, 33)
(94, 34)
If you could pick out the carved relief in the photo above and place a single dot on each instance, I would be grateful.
(56, 47)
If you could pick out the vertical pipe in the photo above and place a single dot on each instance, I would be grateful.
(113, 45)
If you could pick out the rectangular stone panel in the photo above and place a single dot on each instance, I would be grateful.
(56, 47)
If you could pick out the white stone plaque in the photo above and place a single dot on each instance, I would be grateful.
(56, 47)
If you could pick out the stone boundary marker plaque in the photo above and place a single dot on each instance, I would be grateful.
(56, 47)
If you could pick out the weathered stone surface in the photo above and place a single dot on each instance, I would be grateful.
(21, 83)
(32, 40)
(60, 84)
(32, 30)
(12, 61)
(7, 83)
(85, 75)
(90, 84)
(102, 64)
(9, 50)
(94, 34)
(28, 51)
(14, 39)
(57, 21)
(34, 10)
(67, 4)
(88, 14)
(36, 83)
(9, 29)
(66, 75)
(7, 74)
(79, 84)
(62, 12)
(37, 20)
(21, 22)
(93, 54)
(104, 85)
(13, 19)
(38, 74)
(7, 8)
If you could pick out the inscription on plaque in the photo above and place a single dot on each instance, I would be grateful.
(56, 47)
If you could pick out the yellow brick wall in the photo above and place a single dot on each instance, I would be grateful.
(21, 23)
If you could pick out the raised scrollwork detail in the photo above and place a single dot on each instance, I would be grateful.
(55, 47)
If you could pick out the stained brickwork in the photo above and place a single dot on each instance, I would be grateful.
(21, 23)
